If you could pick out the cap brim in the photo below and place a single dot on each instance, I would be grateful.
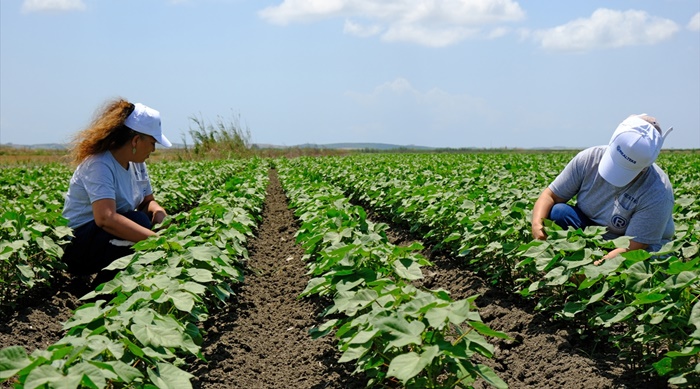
(613, 173)
(163, 140)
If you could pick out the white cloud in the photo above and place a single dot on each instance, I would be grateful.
(291, 11)
(694, 24)
(52, 5)
(427, 22)
(607, 28)
(433, 37)
(361, 30)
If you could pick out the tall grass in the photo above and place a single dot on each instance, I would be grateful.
(225, 138)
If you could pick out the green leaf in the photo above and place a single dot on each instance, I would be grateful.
(136, 350)
(120, 263)
(685, 352)
(455, 313)
(183, 301)
(200, 275)
(566, 245)
(12, 360)
(681, 280)
(167, 376)
(85, 314)
(406, 366)
(490, 376)
(608, 266)
(694, 319)
(648, 297)
(125, 372)
(636, 255)
(97, 376)
(47, 374)
(363, 336)
(407, 269)
(572, 308)
(623, 315)
(679, 266)
(403, 332)
(26, 271)
(487, 331)
(351, 301)
(354, 351)
(204, 253)
(597, 296)
(323, 330)
(637, 276)
(156, 335)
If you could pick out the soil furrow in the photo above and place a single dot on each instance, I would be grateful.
(261, 339)
(543, 352)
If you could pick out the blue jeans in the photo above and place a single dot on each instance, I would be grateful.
(565, 215)
(90, 251)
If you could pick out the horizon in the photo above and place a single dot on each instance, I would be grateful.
(336, 145)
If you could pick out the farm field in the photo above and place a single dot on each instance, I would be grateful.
(458, 223)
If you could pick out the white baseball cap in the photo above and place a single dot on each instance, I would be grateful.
(147, 121)
(635, 145)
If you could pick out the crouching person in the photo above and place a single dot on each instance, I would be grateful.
(617, 186)
(110, 203)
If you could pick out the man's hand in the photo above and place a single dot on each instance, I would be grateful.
(538, 231)
(633, 246)
(541, 210)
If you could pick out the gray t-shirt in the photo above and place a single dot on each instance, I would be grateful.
(100, 177)
(643, 209)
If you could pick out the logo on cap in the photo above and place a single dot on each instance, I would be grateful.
(619, 150)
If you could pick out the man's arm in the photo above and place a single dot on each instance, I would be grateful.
(614, 253)
(541, 210)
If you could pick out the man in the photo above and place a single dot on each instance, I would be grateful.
(617, 186)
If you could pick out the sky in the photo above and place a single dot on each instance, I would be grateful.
(452, 73)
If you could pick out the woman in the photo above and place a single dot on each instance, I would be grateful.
(617, 186)
(110, 201)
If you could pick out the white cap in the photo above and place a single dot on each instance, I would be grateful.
(146, 120)
(635, 144)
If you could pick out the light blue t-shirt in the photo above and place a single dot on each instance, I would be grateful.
(100, 177)
(643, 209)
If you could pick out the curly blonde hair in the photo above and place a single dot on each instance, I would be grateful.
(106, 132)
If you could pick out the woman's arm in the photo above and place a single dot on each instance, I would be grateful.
(541, 210)
(153, 209)
(107, 218)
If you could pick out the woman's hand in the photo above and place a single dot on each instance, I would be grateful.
(107, 218)
(153, 209)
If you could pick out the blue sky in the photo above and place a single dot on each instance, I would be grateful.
(453, 73)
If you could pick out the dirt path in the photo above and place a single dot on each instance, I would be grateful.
(262, 340)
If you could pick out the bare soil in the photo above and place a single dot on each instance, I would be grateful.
(260, 340)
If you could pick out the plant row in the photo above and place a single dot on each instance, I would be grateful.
(478, 207)
(394, 331)
(33, 233)
(140, 326)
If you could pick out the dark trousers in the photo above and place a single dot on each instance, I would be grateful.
(565, 215)
(90, 251)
